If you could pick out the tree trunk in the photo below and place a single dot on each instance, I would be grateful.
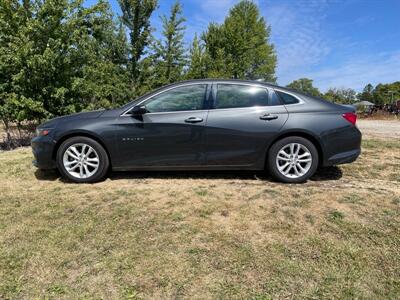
(19, 131)
(8, 134)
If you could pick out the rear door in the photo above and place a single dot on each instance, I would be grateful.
(243, 120)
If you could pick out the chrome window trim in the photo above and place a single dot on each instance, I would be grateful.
(268, 88)
(175, 112)
(243, 108)
(125, 113)
(301, 101)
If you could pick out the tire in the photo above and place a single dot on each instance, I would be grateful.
(82, 160)
(300, 168)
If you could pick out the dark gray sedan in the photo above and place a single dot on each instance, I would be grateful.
(203, 125)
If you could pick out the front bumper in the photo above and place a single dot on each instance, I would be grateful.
(42, 149)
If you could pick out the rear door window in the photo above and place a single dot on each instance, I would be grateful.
(236, 96)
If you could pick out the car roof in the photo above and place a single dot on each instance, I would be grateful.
(237, 81)
(212, 80)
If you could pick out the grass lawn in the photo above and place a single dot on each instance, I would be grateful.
(202, 235)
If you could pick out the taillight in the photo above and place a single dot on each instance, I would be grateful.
(351, 117)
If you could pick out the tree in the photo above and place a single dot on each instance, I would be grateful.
(169, 51)
(61, 57)
(385, 93)
(58, 57)
(304, 85)
(197, 59)
(248, 52)
(104, 81)
(341, 95)
(367, 93)
(214, 56)
(136, 17)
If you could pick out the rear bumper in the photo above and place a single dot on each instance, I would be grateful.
(42, 149)
(342, 146)
(343, 158)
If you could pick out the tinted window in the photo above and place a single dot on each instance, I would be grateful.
(286, 98)
(188, 97)
(231, 96)
(274, 99)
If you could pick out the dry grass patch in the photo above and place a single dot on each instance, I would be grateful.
(202, 235)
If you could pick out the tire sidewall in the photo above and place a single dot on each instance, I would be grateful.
(103, 159)
(273, 152)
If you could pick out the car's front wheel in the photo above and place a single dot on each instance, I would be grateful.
(82, 160)
(293, 159)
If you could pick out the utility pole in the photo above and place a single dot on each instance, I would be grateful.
(392, 95)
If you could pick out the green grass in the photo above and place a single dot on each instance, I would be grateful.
(202, 235)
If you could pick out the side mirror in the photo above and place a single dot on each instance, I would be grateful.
(138, 110)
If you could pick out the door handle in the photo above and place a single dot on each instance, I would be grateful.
(268, 117)
(193, 120)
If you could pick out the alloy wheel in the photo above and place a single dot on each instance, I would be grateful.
(81, 160)
(294, 160)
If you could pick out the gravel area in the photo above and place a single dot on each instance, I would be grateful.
(379, 128)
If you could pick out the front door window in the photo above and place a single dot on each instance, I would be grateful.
(184, 98)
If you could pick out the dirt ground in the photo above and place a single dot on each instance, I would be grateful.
(204, 235)
(382, 129)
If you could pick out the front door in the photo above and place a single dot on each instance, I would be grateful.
(171, 133)
(242, 122)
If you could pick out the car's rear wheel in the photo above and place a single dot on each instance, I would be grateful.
(293, 159)
(83, 160)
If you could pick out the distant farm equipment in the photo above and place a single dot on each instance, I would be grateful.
(368, 109)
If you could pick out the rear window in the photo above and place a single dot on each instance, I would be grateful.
(286, 98)
(234, 96)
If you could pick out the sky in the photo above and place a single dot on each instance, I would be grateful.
(337, 43)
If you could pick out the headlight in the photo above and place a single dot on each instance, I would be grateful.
(42, 131)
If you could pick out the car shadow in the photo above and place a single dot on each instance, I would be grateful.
(322, 174)
(327, 173)
(47, 175)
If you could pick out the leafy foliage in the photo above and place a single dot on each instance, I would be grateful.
(248, 51)
(367, 93)
(215, 60)
(386, 93)
(240, 47)
(341, 95)
(197, 59)
(60, 57)
(169, 52)
(136, 17)
(304, 85)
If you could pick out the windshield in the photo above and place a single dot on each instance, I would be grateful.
(129, 104)
(132, 103)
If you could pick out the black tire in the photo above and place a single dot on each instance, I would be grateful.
(273, 152)
(104, 162)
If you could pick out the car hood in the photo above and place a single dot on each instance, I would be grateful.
(73, 117)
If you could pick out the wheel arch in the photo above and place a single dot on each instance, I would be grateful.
(304, 134)
(83, 134)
